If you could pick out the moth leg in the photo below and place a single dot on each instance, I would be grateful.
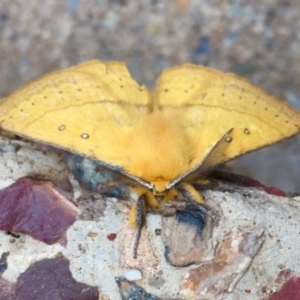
(190, 193)
(136, 220)
(227, 182)
(193, 196)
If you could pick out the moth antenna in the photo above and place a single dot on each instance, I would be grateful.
(140, 214)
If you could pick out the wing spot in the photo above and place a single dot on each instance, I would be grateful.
(45, 97)
(140, 89)
(21, 110)
(246, 131)
(286, 121)
(32, 103)
(79, 90)
(60, 92)
(121, 86)
(85, 136)
(61, 127)
(185, 91)
(166, 90)
(223, 95)
(276, 116)
(266, 108)
(228, 139)
(254, 102)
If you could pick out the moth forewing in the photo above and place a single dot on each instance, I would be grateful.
(208, 163)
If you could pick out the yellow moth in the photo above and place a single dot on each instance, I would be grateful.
(163, 141)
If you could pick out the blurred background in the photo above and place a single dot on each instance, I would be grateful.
(259, 40)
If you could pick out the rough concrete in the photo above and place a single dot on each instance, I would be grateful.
(97, 256)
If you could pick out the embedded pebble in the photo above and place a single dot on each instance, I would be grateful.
(133, 274)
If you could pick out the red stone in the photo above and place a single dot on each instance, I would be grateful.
(289, 291)
(270, 190)
(36, 208)
(111, 236)
(52, 279)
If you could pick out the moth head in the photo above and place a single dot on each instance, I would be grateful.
(160, 190)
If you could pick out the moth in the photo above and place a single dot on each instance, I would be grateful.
(162, 142)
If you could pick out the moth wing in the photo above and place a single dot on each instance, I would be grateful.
(88, 109)
(205, 166)
(208, 103)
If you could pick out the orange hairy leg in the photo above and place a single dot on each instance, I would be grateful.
(183, 191)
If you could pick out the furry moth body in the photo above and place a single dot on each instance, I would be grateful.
(161, 142)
